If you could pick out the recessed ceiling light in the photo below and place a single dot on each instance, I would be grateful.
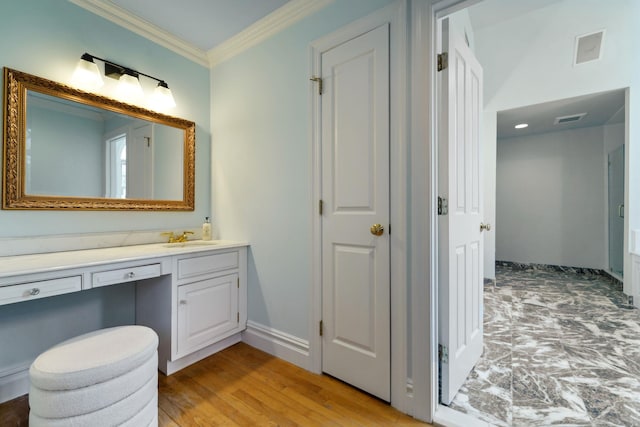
(521, 126)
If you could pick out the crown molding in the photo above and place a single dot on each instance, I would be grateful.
(119, 16)
(276, 21)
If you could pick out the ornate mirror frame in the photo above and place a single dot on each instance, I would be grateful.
(16, 85)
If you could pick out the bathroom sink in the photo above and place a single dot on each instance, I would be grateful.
(190, 243)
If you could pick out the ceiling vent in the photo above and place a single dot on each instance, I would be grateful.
(569, 119)
(589, 47)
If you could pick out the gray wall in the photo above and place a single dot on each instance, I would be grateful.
(550, 198)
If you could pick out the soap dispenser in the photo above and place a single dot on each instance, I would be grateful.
(206, 229)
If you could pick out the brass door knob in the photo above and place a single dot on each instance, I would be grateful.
(377, 229)
(484, 227)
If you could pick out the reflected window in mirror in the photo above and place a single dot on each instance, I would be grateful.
(116, 168)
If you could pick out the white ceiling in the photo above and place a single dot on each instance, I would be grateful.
(204, 24)
(601, 108)
(491, 12)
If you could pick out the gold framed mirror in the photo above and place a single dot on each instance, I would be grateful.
(65, 149)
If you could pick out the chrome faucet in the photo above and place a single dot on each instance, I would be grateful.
(177, 238)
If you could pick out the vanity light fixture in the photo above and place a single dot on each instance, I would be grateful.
(128, 89)
(521, 126)
(162, 97)
(87, 76)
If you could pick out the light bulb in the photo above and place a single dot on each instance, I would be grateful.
(87, 75)
(129, 89)
(162, 98)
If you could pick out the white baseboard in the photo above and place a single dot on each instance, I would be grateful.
(14, 382)
(277, 343)
(448, 417)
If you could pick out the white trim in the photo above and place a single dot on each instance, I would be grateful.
(423, 220)
(396, 15)
(278, 20)
(277, 343)
(440, 414)
(451, 418)
(14, 381)
(125, 19)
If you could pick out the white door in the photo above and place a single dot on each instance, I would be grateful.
(616, 210)
(355, 191)
(460, 240)
(140, 163)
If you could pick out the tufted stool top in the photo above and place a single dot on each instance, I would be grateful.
(93, 358)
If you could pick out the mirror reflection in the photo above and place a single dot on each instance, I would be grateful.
(78, 150)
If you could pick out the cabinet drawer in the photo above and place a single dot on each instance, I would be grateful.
(39, 289)
(123, 275)
(197, 266)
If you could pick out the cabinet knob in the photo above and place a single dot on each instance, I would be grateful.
(131, 275)
(183, 302)
(34, 291)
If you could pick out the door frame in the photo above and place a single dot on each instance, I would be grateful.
(430, 11)
(396, 15)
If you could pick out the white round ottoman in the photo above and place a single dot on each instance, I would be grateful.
(103, 378)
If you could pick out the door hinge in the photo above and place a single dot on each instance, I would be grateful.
(443, 61)
(238, 317)
(238, 282)
(389, 229)
(443, 353)
(320, 206)
(443, 206)
(320, 329)
(319, 81)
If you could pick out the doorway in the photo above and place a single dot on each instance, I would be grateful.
(615, 195)
(539, 313)
(393, 18)
(535, 78)
(355, 212)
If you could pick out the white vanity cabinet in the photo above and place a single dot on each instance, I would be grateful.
(207, 310)
(208, 287)
(193, 295)
(207, 298)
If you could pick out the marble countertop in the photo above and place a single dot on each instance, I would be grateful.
(54, 261)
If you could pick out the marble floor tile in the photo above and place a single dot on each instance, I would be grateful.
(561, 347)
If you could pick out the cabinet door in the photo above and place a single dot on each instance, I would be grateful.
(206, 310)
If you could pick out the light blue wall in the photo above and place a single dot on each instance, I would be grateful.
(261, 162)
(167, 163)
(58, 140)
(46, 38)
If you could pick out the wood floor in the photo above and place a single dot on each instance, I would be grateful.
(242, 386)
